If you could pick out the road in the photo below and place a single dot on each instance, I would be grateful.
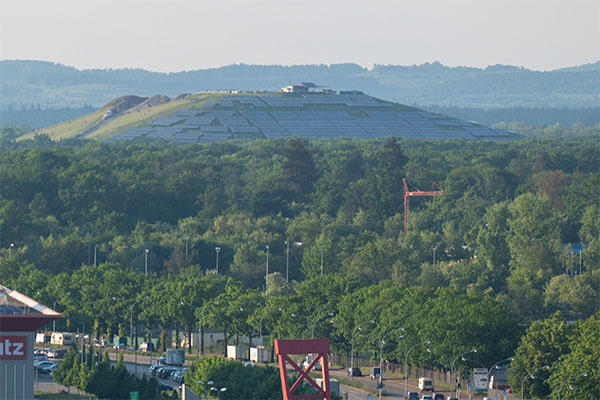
(394, 386)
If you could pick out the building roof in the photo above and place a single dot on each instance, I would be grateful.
(21, 313)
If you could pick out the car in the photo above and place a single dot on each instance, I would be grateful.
(43, 364)
(49, 370)
(439, 396)
(354, 371)
(426, 397)
(120, 346)
(412, 396)
(166, 372)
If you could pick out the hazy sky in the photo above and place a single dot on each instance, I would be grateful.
(176, 35)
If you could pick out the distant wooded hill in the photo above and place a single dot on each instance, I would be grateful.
(565, 95)
(50, 85)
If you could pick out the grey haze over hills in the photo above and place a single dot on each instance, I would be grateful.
(39, 84)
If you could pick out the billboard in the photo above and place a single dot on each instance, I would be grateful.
(480, 379)
(13, 347)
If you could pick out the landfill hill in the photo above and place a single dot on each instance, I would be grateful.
(218, 116)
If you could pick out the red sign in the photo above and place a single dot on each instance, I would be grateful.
(13, 347)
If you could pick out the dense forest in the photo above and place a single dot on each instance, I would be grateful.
(515, 237)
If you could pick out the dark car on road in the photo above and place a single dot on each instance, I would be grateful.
(354, 371)
(412, 396)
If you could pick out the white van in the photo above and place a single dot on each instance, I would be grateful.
(426, 384)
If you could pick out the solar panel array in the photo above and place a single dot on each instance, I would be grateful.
(312, 115)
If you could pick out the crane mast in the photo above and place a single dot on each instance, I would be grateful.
(408, 194)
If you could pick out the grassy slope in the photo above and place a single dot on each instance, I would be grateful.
(73, 128)
(70, 129)
(141, 118)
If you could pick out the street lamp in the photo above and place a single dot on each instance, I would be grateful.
(219, 391)
(406, 363)
(573, 387)
(205, 385)
(217, 250)
(146, 261)
(54, 308)
(531, 375)
(12, 245)
(568, 380)
(321, 250)
(89, 248)
(82, 341)
(187, 238)
(287, 258)
(352, 351)
(434, 249)
(95, 251)
(381, 343)
(452, 367)
(312, 329)
(267, 271)
(260, 326)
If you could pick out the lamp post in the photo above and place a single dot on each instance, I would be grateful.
(267, 271)
(573, 387)
(406, 363)
(131, 333)
(205, 385)
(12, 245)
(321, 250)
(287, 258)
(219, 391)
(381, 343)
(217, 250)
(146, 262)
(187, 238)
(531, 375)
(54, 307)
(567, 381)
(312, 328)
(452, 367)
(434, 249)
(95, 251)
(260, 326)
(82, 341)
(352, 351)
(89, 248)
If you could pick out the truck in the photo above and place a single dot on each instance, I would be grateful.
(61, 338)
(334, 385)
(426, 384)
(258, 354)
(175, 356)
(236, 352)
(374, 373)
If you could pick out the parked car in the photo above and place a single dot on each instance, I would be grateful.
(354, 371)
(439, 396)
(412, 396)
(426, 397)
(49, 370)
(166, 372)
(43, 364)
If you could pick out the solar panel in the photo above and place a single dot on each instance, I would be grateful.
(215, 128)
(168, 121)
(480, 131)
(186, 113)
(244, 129)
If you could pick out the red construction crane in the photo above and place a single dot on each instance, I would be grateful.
(408, 194)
